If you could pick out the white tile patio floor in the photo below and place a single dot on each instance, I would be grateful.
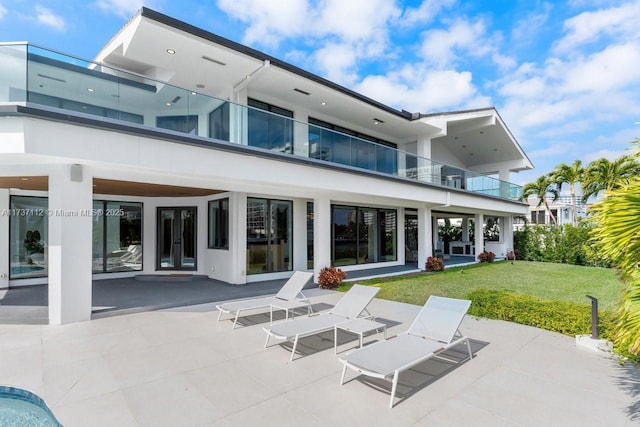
(179, 367)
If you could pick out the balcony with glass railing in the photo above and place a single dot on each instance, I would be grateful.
(31, 74)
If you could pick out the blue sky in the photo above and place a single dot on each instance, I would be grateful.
(565, 76)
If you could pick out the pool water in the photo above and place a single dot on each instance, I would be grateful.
(20, 408)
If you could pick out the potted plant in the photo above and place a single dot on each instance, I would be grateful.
(486, 256)
(434, 264)
(331, 277)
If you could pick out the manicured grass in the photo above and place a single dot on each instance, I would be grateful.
(548, 281)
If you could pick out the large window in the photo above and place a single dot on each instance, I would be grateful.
(28, 232)
(363, 235)
(492, 228)
(219, 224)
(269, 235)
(117, 236)
(340, 145)
(270, 127)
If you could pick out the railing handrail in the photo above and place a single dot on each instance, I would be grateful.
(466, 174)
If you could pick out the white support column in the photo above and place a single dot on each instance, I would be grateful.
(70, 244)
(423, 147)
(504, 174)
(425, 236)
(5, 264)
(465, 229)
(238, 236)
(238, 116)
(479, 230)
(507, 233)
(321, 234)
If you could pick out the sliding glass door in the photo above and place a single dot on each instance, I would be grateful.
(177, 238)
(269, 235)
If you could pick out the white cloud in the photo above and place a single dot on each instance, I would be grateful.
(442, 47)
(620, 22)
(419, 89)
(425, 13)
(613, 68)
(531, 23)
(3, 11)
(123, 8)
(47, 18)
(336, 61)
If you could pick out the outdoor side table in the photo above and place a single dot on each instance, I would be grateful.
(359, 326)
(289, 306)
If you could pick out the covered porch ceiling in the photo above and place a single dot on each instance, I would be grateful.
(111, 187)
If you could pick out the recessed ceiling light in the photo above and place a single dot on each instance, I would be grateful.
(24, 179)
(90, 89)
(168, 104)
(194, 93)
(481, 132)
(377, 121)
(171, 51)
(323, 103)
(247, 77)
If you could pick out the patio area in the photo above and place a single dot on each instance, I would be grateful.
(180, 366)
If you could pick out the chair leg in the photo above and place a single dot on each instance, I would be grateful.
(394, 387)
(293, 350)
(219, 315)
(236, 319)
(344, 371)
(267, 340)
(469, 348)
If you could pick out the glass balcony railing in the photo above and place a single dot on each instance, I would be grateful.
(41, 76)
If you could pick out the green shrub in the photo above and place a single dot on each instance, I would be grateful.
(558, 316)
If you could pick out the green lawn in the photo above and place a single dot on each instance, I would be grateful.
(548, 281)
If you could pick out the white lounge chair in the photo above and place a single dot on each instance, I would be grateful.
(290, 291)
(433, 331)
(350, 306)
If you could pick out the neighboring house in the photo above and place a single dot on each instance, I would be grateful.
(561, 209)
(177, 151)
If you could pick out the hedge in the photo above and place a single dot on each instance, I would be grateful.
(558, 316)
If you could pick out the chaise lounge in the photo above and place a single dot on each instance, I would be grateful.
(432, 332)
(290, 292)
(350, 306)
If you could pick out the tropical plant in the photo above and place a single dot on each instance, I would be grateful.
(607, 175)
(434, 264)
(541, 189)
(618, 231)
(331, 277)
(572, 175)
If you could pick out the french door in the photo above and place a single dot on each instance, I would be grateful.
(177, 238)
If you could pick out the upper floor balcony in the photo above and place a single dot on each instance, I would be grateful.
(42, 77)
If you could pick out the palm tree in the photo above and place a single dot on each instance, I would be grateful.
(565, 174)
(618, 230)
(543, 186)
(605, 175)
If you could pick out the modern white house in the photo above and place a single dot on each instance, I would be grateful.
(176, 151)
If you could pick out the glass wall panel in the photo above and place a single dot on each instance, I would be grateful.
(269, 127)
(28, 233)
(281, 217)
(165, 238)
(219, 224)
(387, 221)
(363, 235)
(220, 122)
(117, 236)
(345, 250)
(188, 246)
(269, 236)
(184, 124)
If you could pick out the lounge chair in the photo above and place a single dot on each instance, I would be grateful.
(290, 291)
(433, 331)
(350, 306)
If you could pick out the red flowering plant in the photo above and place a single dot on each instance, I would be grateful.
(486, 256)
(331, 277)
(434, 264)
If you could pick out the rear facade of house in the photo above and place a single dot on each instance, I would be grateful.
(176, 151)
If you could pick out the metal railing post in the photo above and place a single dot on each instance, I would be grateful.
(594, 317)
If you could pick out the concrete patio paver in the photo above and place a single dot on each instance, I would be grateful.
(182, 367)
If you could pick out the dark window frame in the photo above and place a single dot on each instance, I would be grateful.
(222, 223)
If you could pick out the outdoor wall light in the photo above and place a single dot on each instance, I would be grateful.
(171, 51)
